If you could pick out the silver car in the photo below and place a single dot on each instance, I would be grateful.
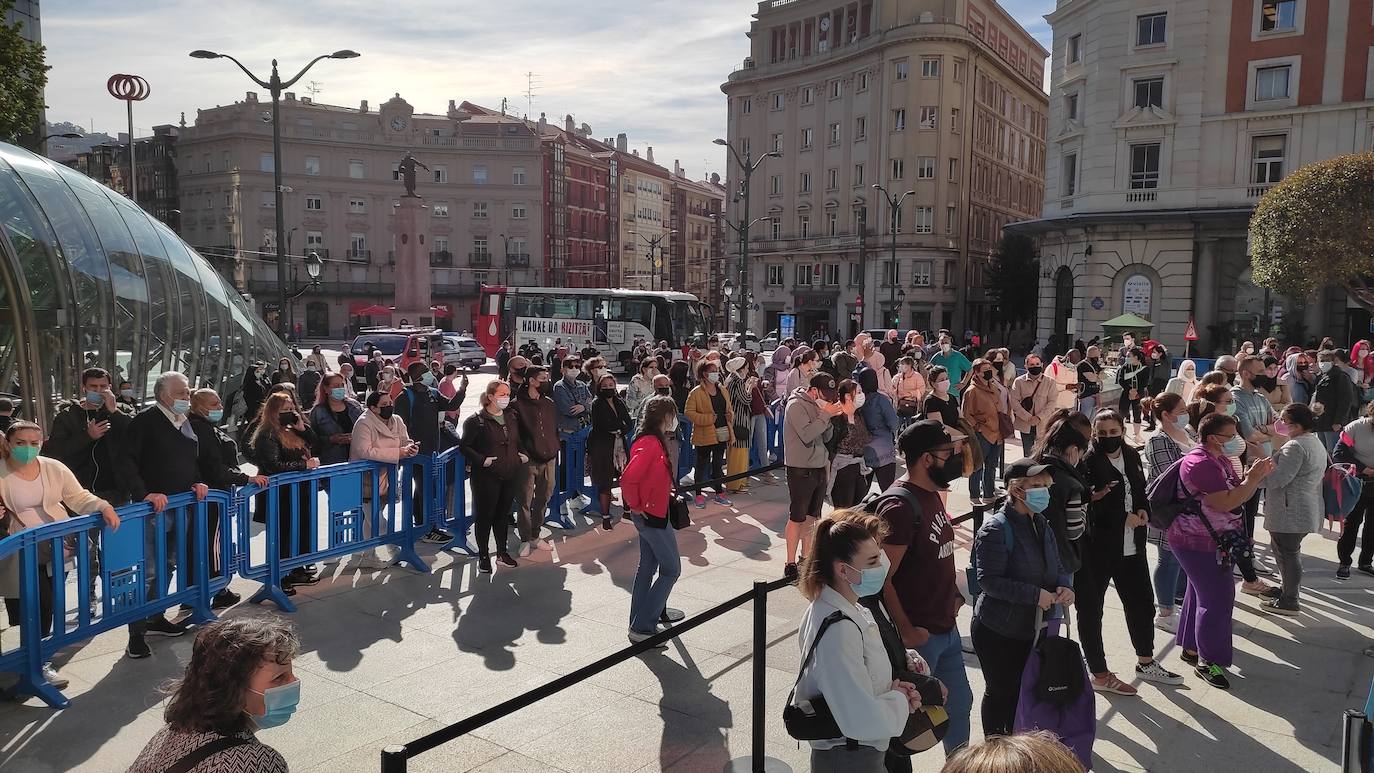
(464, 352)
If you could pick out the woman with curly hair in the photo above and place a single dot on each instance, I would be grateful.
(239, 680)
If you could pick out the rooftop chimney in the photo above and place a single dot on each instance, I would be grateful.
(452, 105)
(636, 152)
(622, 143)
(678, 171)
(363, 109)
(650, 155)
(568, 124)
(290, 96)
(252, 96)
(543, 123)
(715, 178)
(306, 101)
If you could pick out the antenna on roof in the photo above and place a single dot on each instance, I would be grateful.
(530, 93)
(314, 88)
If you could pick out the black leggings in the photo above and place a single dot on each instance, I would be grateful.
(284, 546)
(1132, 577)
(1362, 517)
(885, 475)
(1128, 408)
(849, 488)
(1002, 660)
(711, 459)
(45, 602)
(492, 498)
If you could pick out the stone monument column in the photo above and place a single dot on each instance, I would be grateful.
(411, 272)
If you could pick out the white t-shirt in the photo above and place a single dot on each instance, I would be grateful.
(1128, 540)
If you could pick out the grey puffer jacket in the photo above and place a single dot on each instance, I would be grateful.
(1293, 491)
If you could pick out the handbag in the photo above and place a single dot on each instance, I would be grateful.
(1028, 403)
(722, 434)
(677, 507)
(1005, 428)
(819, 723)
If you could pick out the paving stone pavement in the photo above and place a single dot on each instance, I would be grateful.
(392, 655)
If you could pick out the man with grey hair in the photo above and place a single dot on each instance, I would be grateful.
(1230, 366)
(161, 458)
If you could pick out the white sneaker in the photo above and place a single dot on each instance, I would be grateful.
(524, 549)
(53, 678)
(1167, 623)
(544, 544)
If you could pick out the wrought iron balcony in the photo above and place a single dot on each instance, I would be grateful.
(441, 258)
(358, 256)
(479, 259)
(518, 260)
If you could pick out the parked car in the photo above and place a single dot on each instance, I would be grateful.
(464, 352)
(751, 341)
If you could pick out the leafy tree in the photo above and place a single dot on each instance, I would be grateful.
(23, 75)
(1315, 228)
(1012, 278)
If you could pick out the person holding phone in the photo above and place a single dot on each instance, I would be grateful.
(379, 435)
(282, 443)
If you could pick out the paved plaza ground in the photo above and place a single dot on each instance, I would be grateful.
(391, 655)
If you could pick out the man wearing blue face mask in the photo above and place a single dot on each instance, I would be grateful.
(161, 458)
(419, 405)
(84, 432)
(1335, 398)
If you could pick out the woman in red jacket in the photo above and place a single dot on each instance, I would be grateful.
(646, 486)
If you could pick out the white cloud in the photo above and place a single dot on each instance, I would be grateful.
(652, 69)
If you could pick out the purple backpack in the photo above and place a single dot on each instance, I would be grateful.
(1073, 719)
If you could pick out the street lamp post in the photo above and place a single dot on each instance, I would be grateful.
(275, 85)
(747, 167)
(742, 230)
(894, 207)
(654, 243)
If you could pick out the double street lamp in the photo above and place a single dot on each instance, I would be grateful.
(657, 266)
(275, 85)
(894, 203)
(747, 166)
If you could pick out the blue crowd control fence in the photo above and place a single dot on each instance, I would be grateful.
(572, 479)
(136, 561)
(450, 511)
(365, 508)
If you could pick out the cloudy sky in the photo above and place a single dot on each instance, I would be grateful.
(652, 69)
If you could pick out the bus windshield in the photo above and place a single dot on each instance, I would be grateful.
(688, 322)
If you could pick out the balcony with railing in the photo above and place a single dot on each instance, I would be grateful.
(518, 260)
(358, 256)
(441, 258)
(479, 259)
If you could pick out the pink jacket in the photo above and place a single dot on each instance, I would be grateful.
(908, 386)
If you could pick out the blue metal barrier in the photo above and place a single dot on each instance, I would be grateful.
(450, 510)
(136, 561)
(351, 513)
(572, 480)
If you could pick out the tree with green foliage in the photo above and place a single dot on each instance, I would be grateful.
(1316, 228)
(23, 75)
(1012, 278)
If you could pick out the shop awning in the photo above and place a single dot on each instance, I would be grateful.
(365, 309)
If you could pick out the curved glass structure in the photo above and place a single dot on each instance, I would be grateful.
(89, 279)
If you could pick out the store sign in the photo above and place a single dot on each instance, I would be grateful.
(1136, 296)
(787, 326)
(578, 329)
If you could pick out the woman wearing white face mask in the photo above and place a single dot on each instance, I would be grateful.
(843, 657)
(239, 680)
(848, 473)
(708, 408)
(1185, 382)
(491, 447)
(1020, 575)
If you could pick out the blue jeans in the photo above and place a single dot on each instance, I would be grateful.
(758, 441)
(1027, 441)
(657, 555)
(945, 654)
(983, 481)
(1329, 439)
(1170, 581)
(1087, 405)
(687, 455)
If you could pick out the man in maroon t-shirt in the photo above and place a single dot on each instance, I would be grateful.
(920, 593)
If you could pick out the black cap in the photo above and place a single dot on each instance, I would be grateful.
(1023, 468)
(922, 436)
(825, 383)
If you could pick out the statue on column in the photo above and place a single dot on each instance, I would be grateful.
(407, 170)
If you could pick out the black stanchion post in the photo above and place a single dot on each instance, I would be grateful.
(394, 759)
(1354, 746)
(760, 675)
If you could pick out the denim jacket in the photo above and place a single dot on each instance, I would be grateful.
(565, 396)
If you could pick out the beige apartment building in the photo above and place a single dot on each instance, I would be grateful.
(645, 196)
(696, 252)
(943, 99)
(1167, 123)
(482, 190)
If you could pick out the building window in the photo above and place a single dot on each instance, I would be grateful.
(777, 101)
(834, 134)
(1279, 17)
(954, 170)
(951, 219)
(925, 220)
(518, 212)
(899, 120)
(440, 210)
(803, 226)
(1149, 29)
(1268, 157)
(746, 106)
(836, 89)
(901, 69)
(1271, 82)
(920, 273)
(441, 244)
(1149, 92)
(355, 169)
(1075, 49)
(517, 176)
(357, 206)
(930, 117)
(860, 128)
(806, 138)
(357, 244)
(861, 81)
(802, 273)
(440, 174)
(890, 270)
(314, 202)
(925, 168)
(958, 70)
(775, 185)
(1145, 165)
(312, 165)
(479, 175)
(479, 210)
(775, 227)
(832, 179)
(832, 223)
(805, 182)
(897, 168)
(930, 68)
(265, 162)
(775, 276)
(830, 274)
(1071, 174)
(479, 246)
(1071, 106)
(954, 120)
(314, 240)
(858, 175)
(269, 199)
(808, 94)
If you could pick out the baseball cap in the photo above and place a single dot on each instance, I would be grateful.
(1023, 468)
(826, 384)
(924, 435)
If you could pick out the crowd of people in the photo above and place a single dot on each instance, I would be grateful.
(879, 429)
